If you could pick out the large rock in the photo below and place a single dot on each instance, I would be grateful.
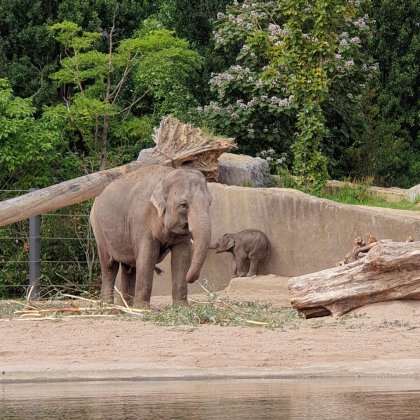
(145, 153)
(243, 170)
(307, 234)
(414, 193)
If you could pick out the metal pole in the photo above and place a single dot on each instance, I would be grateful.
(34, 256)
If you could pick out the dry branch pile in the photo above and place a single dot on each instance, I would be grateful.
(177, 144)
(361, 248)
(75, 307)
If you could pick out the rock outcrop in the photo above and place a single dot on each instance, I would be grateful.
(414, 193)
(243, 170)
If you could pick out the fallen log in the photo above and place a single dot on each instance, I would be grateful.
(177, 144)
(389, 271)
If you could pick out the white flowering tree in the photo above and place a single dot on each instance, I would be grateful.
(300, 77)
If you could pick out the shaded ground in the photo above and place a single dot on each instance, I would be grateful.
(377, 340)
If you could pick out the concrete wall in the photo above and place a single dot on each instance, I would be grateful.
(307, 234)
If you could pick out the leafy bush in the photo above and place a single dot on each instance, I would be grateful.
(300, 77)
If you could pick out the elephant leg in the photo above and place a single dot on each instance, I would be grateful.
(233, 268)
(109, 270)
(253, 266)
(148, 255)
(127, 285)
(241, 262)
(181, 254)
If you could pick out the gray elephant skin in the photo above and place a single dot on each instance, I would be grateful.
(141, 217)
(250, 249)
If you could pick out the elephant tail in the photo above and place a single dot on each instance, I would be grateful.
(267, 256)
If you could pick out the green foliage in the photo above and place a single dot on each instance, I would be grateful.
(312, 53)
(128, 88)
(193, 20)
(28, 50)
(396, 154)
(13, 259)
(291, 56)
(69, 261)
(358, 193)
(126, 15)
(29, 146)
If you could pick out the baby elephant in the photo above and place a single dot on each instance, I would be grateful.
(250, 248)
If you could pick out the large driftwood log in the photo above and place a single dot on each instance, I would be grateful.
(390, 271)
(177, 144)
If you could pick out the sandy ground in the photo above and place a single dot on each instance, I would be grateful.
(377, 340)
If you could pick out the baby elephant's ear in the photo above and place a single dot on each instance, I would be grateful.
(230, 243)
(158, 199)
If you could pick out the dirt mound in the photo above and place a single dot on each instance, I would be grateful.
(268, 289)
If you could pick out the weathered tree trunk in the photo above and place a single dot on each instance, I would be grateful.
(390, 271)
(177, 144)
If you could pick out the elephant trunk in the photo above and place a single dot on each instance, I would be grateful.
(200, 227)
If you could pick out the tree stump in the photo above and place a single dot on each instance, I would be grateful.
(390, 271)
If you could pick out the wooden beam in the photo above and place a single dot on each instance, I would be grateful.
(60, 195)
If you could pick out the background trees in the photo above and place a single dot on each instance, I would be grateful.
(319, 83)
(396, 151)
(114, 98)
(299, 80)
(29, 146)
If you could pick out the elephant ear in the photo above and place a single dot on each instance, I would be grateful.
(158, 199)
(230, 243)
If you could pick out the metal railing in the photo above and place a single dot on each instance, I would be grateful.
(49, 252)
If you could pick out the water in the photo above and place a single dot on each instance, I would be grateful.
(230, 399)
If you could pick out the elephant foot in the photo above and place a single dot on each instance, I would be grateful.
(107, 300)
(128, 300)
(141, 304)
(180, 303)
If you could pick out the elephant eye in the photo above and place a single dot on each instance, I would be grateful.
(183, 206)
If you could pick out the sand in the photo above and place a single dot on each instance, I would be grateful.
(379, 340)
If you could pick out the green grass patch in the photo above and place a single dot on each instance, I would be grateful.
(359, 196)
(357, 193)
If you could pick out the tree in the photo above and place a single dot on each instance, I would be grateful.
(28, 50)
(298, 62)
(119, 95)
(193, 20)
(396, 154)
(30, 147)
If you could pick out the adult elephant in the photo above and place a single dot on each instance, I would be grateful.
(139, 218)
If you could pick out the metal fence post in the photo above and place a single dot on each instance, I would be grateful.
(34, 240)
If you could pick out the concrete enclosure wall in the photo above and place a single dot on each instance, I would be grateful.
(307, 234)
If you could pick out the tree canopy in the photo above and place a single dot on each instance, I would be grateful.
(322, 88)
